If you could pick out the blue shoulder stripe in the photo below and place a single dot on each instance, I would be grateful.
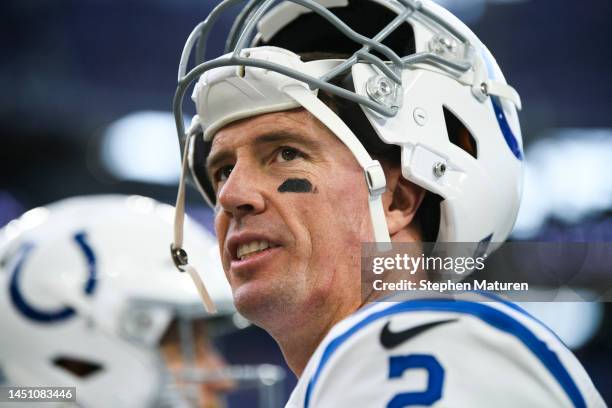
(514, 306)
(489, 315)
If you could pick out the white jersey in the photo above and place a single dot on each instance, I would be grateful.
(443, 353)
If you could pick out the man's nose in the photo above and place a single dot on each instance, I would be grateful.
(241, 194)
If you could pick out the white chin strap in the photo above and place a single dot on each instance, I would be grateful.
(373, 171)
(179, 256)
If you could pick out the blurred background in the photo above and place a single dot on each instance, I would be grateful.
(85, 107)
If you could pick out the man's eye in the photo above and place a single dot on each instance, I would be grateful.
(287, 154)
(223, 173)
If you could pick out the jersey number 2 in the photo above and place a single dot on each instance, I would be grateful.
(435, 374)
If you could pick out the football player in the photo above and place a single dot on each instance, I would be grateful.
(89, 301)
(331, 123)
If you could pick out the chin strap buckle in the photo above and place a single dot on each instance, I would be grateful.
(377, 185)
(179, 257)
(375, 178)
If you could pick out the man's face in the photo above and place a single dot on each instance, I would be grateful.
(285, 183)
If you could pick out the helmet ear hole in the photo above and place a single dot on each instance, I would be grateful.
(77, 367)
(429, 217)
(459, 134)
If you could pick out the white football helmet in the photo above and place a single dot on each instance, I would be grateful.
(88, 294)
(423, 80)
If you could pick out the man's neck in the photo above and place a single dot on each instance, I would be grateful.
(300, 336)
(300, 342)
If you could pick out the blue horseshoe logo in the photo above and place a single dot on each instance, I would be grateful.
(50, 316)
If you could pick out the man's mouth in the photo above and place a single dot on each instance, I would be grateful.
(252, 248)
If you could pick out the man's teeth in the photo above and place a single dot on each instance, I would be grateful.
(245, 250)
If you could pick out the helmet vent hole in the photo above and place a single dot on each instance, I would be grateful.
(77, 367)
(459, 134)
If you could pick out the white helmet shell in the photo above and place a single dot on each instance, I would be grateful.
(88, 279)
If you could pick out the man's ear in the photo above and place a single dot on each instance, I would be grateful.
(401, 200)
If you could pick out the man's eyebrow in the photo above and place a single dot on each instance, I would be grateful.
(285, 136)
(278, 137)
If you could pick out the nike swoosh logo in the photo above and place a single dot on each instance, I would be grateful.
(390, 339)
